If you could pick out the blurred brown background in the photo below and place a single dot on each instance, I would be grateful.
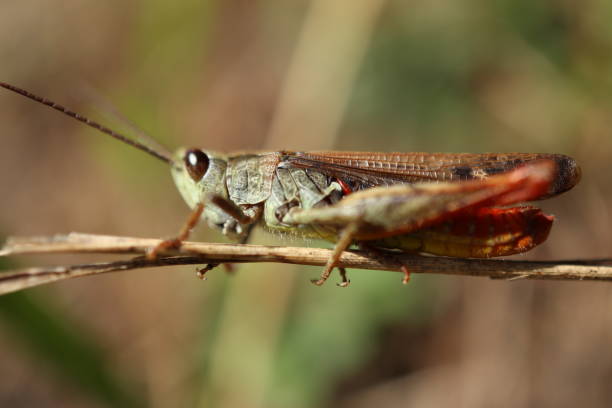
(233, 75)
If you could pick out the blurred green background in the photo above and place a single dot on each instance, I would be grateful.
(232, 75)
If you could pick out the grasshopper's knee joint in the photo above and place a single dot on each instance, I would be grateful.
(283, 210)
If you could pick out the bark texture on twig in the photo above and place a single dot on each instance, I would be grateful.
(210, 253)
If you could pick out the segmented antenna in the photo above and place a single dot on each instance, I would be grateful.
(88, 122)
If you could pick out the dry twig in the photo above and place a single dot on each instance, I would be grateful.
(209, 253)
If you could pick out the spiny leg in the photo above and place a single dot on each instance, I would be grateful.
(184, 233)
(346, 239)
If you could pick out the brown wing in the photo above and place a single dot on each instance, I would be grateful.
(366, 169)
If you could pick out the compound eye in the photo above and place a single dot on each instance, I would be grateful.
(196, 163)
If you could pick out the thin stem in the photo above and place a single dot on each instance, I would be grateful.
(191, 253)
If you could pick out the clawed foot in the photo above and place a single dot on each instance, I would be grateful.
(201, 272)
(166, 244)
(318, 282)
(175, 243)
(325, 275)
(331, 263)
(345, 282)
(406, 278)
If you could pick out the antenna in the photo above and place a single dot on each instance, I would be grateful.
(88, 122)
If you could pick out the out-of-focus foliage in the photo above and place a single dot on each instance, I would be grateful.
(46, 333)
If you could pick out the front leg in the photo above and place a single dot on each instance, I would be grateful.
(175, 243)
(239, 224)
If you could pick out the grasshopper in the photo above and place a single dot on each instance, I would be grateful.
(448, 204)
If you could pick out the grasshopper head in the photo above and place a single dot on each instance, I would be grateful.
(198, 174)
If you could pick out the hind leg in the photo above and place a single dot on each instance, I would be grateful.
(345, 239)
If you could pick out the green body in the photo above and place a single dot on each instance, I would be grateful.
(260, 186)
